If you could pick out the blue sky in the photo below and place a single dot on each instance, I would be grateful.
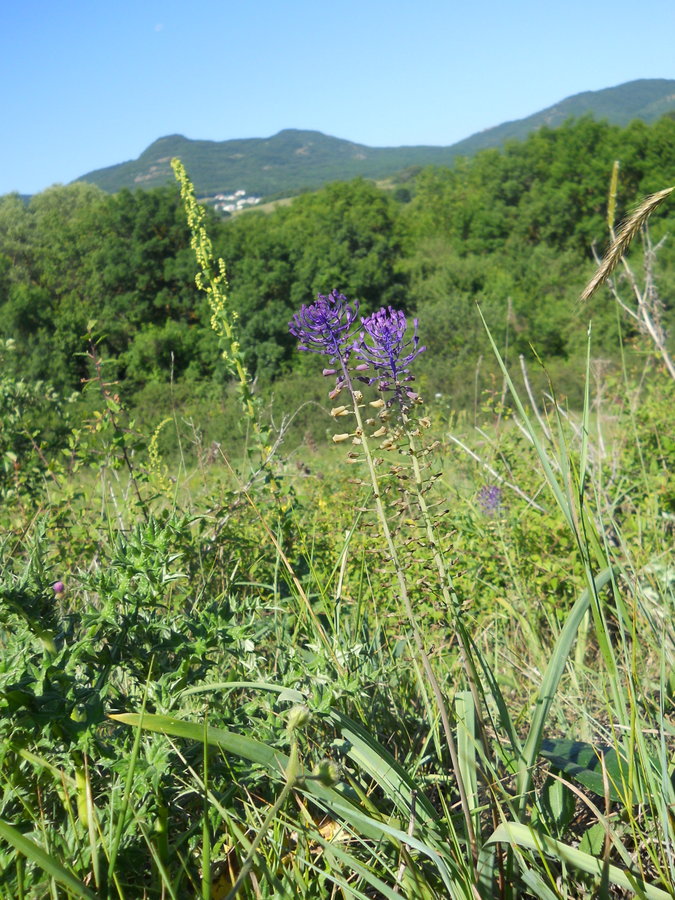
(90, 84)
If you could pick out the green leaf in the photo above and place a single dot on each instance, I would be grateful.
(284, 692)
(526, 837)
(553, 674)
(376, 760)
(559, 802)
(47, 863)
(585, 763)
(238, 744)
(364, 750)
(593, 840)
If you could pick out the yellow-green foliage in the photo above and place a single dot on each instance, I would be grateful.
(211, 278)
(157, 468)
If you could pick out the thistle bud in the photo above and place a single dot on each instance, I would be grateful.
(326, 772)
(297, 717)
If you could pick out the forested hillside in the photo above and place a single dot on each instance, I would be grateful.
(294, 160)
(512, 230)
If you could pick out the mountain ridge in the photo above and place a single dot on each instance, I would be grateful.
(295, 159)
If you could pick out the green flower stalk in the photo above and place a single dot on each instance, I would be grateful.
(385, 346)
(156, 467)
(212, 279)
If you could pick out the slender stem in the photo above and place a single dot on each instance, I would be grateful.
(403, 590)
(447, 587)
(292, 773)
(110, 403)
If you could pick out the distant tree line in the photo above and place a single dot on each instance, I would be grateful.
(512, 229)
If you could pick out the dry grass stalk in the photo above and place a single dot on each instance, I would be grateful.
(627, 232)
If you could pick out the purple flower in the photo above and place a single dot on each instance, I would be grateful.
(490, 499)
(58, 587)
(383, 344)
(325, 326)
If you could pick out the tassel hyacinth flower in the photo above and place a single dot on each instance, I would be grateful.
(490, 500)
(383, 346)
(326, 326)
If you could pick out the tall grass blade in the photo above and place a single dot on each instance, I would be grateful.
(238, 744)
(363, 749)
(526, 837)
(467, 742)
(45, 861)
(376, 760)
(553, 483)
(553, 674)
(126, 800)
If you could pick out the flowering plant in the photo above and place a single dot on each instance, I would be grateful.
(325, 325)
(383, 345)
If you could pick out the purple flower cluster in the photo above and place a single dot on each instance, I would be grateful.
(325, 326)
(328, 326)
(490, 499)
(383, 345)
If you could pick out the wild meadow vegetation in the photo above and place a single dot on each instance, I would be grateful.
(349, 574)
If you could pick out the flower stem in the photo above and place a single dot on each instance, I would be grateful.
(403, 590)
(447, 588)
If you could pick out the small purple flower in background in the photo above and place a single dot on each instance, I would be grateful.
(490, 499)
(383, 345)
(58, 587)
(325, 325)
